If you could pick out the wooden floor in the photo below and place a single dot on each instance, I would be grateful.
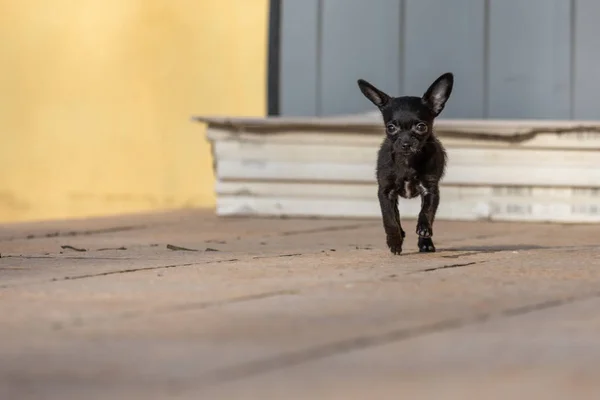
(186, 306)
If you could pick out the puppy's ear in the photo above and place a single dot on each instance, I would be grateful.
(438, 93)
(376, 96)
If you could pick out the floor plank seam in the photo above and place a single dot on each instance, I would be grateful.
(121, 271)
(57, 234)
(449, 266)
(324, 229)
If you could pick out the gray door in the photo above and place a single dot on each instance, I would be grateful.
(511, 58)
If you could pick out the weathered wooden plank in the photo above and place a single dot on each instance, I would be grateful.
(451, 136)
(341, 153)
(442, 36)
(529, 59)
(361, 39)
(456, 174)
(368, 191)
(586, 60)
(464, 209)
(299, 57)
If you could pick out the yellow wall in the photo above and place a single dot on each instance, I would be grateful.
(96, 98)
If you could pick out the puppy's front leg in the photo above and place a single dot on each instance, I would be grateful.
(430, 199)
(388, 201)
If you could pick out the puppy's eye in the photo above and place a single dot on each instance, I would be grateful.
(391, 128)
(421, 127)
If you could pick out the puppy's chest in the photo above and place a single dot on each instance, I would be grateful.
(409, 188)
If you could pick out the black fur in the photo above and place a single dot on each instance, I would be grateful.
(411, 160)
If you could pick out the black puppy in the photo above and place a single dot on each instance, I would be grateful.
(411, 160)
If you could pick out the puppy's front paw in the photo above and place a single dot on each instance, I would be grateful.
(394, 243)
(424, 230)
(426, 245)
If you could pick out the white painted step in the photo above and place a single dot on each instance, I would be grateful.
(368, 191)
(466, 209)
(450, 137)
(353, 154)
(483, 175)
